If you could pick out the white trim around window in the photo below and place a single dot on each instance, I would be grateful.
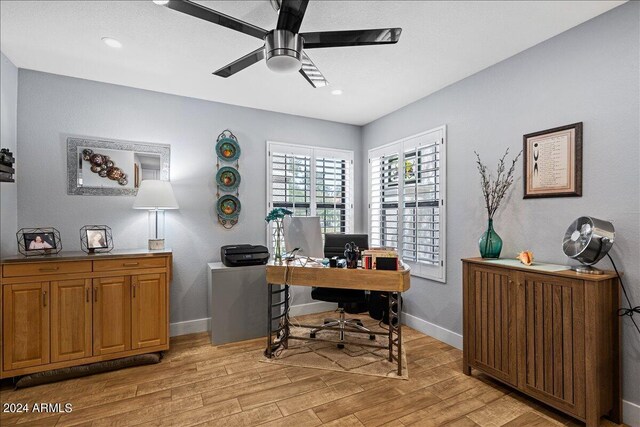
(407, 208)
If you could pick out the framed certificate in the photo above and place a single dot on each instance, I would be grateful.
(553, 162)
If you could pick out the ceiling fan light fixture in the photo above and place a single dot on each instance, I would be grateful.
(283, 51)
(283, 64)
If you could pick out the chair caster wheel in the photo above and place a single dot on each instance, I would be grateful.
(372, 337)
(312, 335)
(340, 346)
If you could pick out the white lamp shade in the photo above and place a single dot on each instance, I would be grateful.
(155, 194)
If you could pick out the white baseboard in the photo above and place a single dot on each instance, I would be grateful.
(190, 327)
(311, 308)
(631, 413)
(433, 330)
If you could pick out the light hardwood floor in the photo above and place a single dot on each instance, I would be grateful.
(198, 384)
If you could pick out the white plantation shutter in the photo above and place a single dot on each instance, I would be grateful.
(291, 183)
(311, 182)
(406, 192)
(333, 193)
(383, 198)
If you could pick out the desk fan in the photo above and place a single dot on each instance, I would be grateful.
(588, 240)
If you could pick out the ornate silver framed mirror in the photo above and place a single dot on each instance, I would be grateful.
(101, 167)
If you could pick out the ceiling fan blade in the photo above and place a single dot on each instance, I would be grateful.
(242, 63)
(198, 11)
(291, 14)
(311, 73)
(351, 38)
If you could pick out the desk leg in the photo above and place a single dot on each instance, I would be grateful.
(285, 342)
(399, 332)
(395, 328)
(282, 315)
(390, 308)
(269, 317)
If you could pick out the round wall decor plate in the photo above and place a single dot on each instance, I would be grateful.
(228, 149)
(228, 178)
(228, 207)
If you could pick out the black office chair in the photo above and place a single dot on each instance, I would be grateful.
(334, 246)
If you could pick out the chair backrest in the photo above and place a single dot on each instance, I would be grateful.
(334, 243)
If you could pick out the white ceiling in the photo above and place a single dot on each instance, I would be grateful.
(167, 51)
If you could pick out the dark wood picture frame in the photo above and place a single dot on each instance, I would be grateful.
(575, 167)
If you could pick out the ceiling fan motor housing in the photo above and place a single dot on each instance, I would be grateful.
(283, 50)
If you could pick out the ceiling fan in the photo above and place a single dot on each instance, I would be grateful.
(284, 47)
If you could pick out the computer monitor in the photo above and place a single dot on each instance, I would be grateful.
(334, 243)
(304, 233)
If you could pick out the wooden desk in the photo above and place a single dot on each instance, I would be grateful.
(283, 276)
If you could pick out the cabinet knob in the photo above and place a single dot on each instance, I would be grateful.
(49, 269)
(44, 298)
(130, 264)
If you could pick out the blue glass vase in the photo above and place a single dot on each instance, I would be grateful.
(490, 243)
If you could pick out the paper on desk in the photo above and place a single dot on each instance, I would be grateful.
(535, 266)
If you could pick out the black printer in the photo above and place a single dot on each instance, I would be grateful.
(239, 255)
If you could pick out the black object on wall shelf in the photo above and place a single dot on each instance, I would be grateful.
(6, 166)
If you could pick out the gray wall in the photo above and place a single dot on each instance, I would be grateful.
(590, 74)
(53, 106)
(8, 191)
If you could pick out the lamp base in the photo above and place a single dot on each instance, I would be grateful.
(156, 244)
(587, 269)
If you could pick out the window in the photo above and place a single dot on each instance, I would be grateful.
(311, 181)
(406, 201)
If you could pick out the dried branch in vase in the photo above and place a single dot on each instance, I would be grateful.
(494, 189)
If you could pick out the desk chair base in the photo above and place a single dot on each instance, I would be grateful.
(344, 325)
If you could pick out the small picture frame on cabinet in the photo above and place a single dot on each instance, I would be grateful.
(39, 241)
(96, 239)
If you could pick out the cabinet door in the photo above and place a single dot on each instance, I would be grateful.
(70, 319)
(491, 295)
(551, 340)
(149, 305)
(26, 325)
(111, 315)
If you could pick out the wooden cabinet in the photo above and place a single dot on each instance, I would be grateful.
(553, 335)
(551, 331)
(71, 319)
(112, 314)
(492, 345)
(25, 325)
(77, 309)
(149, 316)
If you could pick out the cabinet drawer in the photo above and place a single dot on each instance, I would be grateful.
(42, 268)
(129, 263)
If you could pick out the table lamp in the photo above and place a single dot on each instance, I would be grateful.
(156, 196)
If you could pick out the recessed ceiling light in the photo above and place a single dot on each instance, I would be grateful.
(111, 42)
(161, 2)
(336, 92)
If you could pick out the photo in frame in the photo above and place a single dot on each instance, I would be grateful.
(553, 162)
(38, 241)
(96, 239)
